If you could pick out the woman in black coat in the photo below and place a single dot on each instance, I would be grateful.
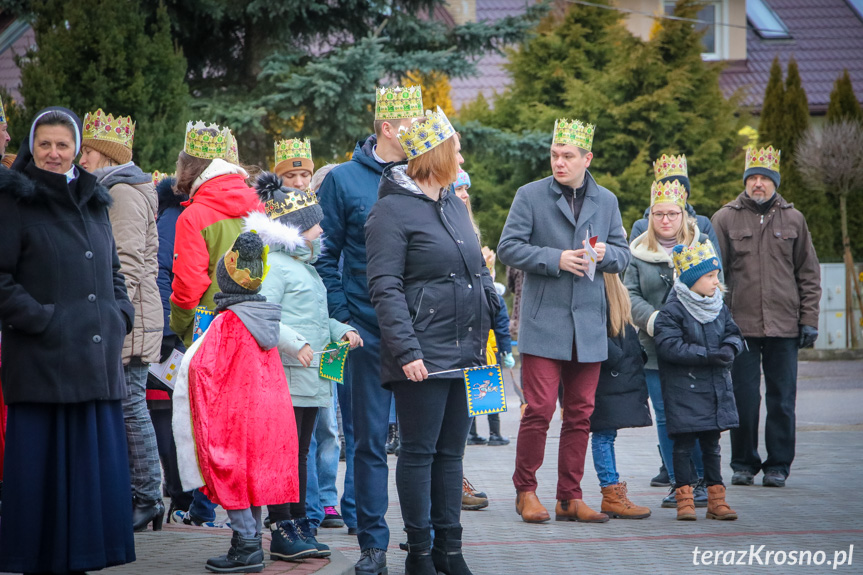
(65, 314)
(621, 400)
(435, 302)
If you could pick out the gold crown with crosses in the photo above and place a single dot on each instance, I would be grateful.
(574, 132)
(668, 166)
(764, 158)
(293, 201)
(398, 103)
(671, 192)
(106, 128)
(426, 135)
(207, 142)
(687, 257)
(294, 148)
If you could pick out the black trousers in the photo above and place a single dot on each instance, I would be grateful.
(161, 417)
(778, 356)
(684, 443)
(433, 425)
(306, 417)
(493, 424)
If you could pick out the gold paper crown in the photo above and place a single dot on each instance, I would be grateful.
(233, 153)
(669, 166)
(2, 112)
(294, 148)
(573, 132)
(426, 135)
(106, 128)
(207, 142)
(293, 201)
(398, 103)
(763, 158)
(160, 177)
(691, 256)
(243, 277)
(671, 192)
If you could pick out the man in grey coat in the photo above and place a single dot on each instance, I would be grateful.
(562, 335)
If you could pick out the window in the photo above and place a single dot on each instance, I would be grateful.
(857, 5)
(708, 16)
(765, 22)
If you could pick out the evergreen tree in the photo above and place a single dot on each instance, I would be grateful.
(843, 102)
(771, 123)
(107, 54)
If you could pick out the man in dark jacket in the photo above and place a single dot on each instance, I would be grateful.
(562, 336)
(767, 252)
(668, 168)
(346, 196)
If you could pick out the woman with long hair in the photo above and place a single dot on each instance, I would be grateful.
(435, 303)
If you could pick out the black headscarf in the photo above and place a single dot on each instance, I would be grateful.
(25, 154)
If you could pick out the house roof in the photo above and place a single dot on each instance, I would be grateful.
(826, 38)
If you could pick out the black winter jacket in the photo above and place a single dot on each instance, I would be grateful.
(63, 302)
(621, 394)
(432, 293)
(697, 392)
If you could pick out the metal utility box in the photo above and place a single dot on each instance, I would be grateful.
(832, 331)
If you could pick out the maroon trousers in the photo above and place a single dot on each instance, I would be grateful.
(541, 378)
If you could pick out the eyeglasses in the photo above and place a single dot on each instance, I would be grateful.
(672, 216)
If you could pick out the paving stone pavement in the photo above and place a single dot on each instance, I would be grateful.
(821, 509)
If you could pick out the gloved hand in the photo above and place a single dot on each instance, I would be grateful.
(508, 361)
(724, 357)
(808, 335)
(169, 343)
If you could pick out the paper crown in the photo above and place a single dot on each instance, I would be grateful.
(671, 192)
(398, 103)
(159, 177)
(767, 158)
(106, 128)
(233, 153)
(573, 132)
(293, 201)
(426, 135)
(2, 112)
(207, 142)
(669, 166)
(294, 148)
(243, 276)
(687, 257)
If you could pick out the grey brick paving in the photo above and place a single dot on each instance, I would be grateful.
(820, 509)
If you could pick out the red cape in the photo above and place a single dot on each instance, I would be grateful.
(243, 419)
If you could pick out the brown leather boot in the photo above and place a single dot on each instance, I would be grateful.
(577, 510)
(717, 508)
(616, 504)
(528, 506)
(685, 503)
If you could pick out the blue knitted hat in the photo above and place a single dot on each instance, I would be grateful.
(462, 179)
(694, 261)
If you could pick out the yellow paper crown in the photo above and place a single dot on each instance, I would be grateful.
(243, 276)
(294, 148)
(426, 135)
(293, 201)
(398, 103)
(233, 153)
(671, 192)
(160, 177)
(573, 132)
(669, 166)
(2, 112)
(207, 142)
(107, 128)
(690, 256)
(764, 158)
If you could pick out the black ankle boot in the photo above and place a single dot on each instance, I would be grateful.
(419, 560)
(245, 556)
(143, 512)
(446, 555)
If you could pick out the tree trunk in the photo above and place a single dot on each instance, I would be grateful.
(850, 280)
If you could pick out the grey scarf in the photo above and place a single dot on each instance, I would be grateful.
(703, 309)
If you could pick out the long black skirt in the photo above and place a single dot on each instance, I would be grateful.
(67, 503)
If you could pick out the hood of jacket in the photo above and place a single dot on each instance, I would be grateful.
(261, 318)
(364, 154)
(227, 194)
(639, 250)
(34, 185)
(127, 173)
(395, 180)
(279, 236)
(217, 167)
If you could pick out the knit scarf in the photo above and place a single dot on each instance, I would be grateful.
(703, 309)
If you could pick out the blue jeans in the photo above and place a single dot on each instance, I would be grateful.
(666, 444)
(370, 410)
(323, 464)
(602, 446)
(202, 508)
(349, 503)
(392, 419)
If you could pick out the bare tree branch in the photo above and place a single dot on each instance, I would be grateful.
(832, 157)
